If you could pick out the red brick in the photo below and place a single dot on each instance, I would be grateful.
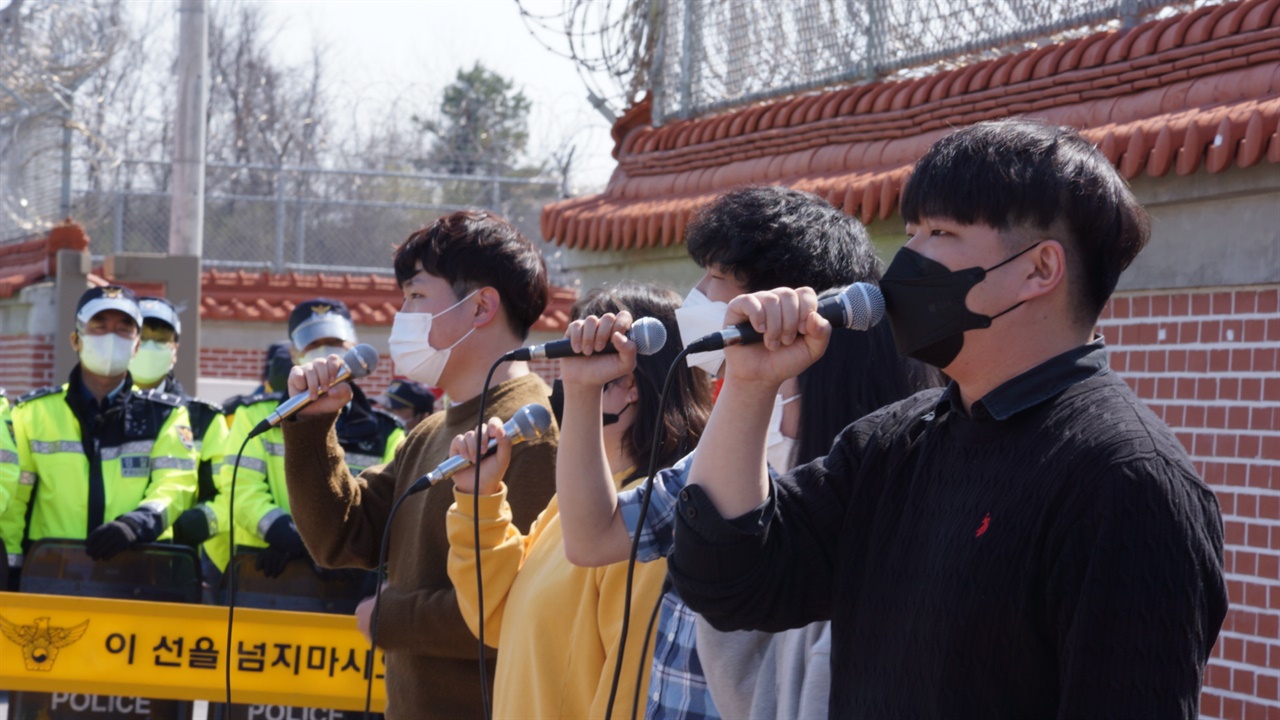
(1214, 474)
(1232, 709)
(1251, 389)
(1181, 305)
(1165, 390)
(1210, 704)
(1269, 626)
(1246, 301)
(1254, 711)
(1248, 446)
(1255, 331)
(1142, 306)
(1264, 360)
(1241, 360)
(1260, 419)
(1207, 388)
(1219, 361)
(1268, 687)
(1234, 532)
(1256, 595)
(1273, 329)
(1187, 391)
(1222, 303)
(1160, 305)
(1246, 506)
(1268, 563)
(1156, 361)
(1217, 675)
(1237, 475)
(1268, 302)
(1229, 388)
(1198, 361)
(1119, 361)
(1177, 361)
(1120, 307)
(1216, 417)
(1201, 304)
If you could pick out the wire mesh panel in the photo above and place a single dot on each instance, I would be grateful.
(306, 219)
(715, 55)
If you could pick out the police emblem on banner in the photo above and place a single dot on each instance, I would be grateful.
(41, 642)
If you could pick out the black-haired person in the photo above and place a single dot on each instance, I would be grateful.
(473, 286)
(748, 239)
(152, 368)
(556, 626)
(276, 364)
(761, 675)
(368, 436)
(100, 461)
(992, 549)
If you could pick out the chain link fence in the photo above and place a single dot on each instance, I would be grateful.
(298, 218)
(715, 55)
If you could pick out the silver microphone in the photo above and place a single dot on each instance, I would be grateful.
(528, 423)
(648, 333)
(358, 362)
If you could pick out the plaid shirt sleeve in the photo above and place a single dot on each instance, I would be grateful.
(657, 532)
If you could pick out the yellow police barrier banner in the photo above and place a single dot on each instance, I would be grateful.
(172, 651)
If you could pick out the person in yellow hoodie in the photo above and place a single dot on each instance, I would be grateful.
(556, 625)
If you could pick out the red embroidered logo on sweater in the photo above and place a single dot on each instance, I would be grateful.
(986, 523)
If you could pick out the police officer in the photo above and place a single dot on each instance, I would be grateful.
(8, 459)
(98, 460)
(368, 435)
(410, 401)
(152, 368)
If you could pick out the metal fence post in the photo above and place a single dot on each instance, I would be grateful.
(300, 226)
(279, 263)
(118, 215)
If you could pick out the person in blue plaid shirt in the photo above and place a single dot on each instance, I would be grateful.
(746, 240)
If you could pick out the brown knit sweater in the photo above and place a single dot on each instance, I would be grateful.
(431, 654)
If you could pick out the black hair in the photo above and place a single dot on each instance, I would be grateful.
(471, 249)
(771, 236)
(1014, 174)
(689, 403)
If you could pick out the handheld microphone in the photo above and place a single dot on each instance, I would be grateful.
(648, 333)
(356, 363)
(528, 423)
(858, 307)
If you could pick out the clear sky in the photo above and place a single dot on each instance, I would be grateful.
(380, 50)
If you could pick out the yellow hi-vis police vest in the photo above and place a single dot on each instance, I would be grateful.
(262, 495)
(8, 456)
(146, 454)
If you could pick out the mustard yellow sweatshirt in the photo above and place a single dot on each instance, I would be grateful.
(555, 625)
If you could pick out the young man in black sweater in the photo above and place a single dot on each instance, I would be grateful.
(1030, 541)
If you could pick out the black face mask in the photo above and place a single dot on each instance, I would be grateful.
(557, 406)
(925, 304)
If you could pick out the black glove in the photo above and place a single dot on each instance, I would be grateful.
(191, 527)
(283, 544)
(110, 539)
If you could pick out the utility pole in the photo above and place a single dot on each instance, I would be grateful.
(186, 211)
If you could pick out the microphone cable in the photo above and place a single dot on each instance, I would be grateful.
(635, 537)
(232, 567)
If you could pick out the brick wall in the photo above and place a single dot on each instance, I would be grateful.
(26, 363)
(1206, 362)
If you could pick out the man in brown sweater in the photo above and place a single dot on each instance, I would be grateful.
(473, 286)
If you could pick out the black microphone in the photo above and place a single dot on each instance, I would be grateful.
(356, 363)
(648, 333)
(858, 307)
(528, 423)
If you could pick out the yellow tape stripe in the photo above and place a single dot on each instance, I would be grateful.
(125, 648)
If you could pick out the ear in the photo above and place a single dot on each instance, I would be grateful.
(488, 306)
(1048, 270)
(75, 341)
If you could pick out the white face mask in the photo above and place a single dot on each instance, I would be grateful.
(778, 446)
(107, 355)
(153, 361)
(697, 317)
(411, 349)
(320, 353)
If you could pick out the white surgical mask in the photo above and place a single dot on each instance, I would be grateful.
(411, 349)
(698, 317)
(320, 353)
(107, 355)
(153, 361)
(778, 446)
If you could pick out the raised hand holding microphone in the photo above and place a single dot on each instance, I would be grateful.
(319, 380)
(793, 336)
(492, 467)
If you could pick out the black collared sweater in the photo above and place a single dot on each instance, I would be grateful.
(1052, 554)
